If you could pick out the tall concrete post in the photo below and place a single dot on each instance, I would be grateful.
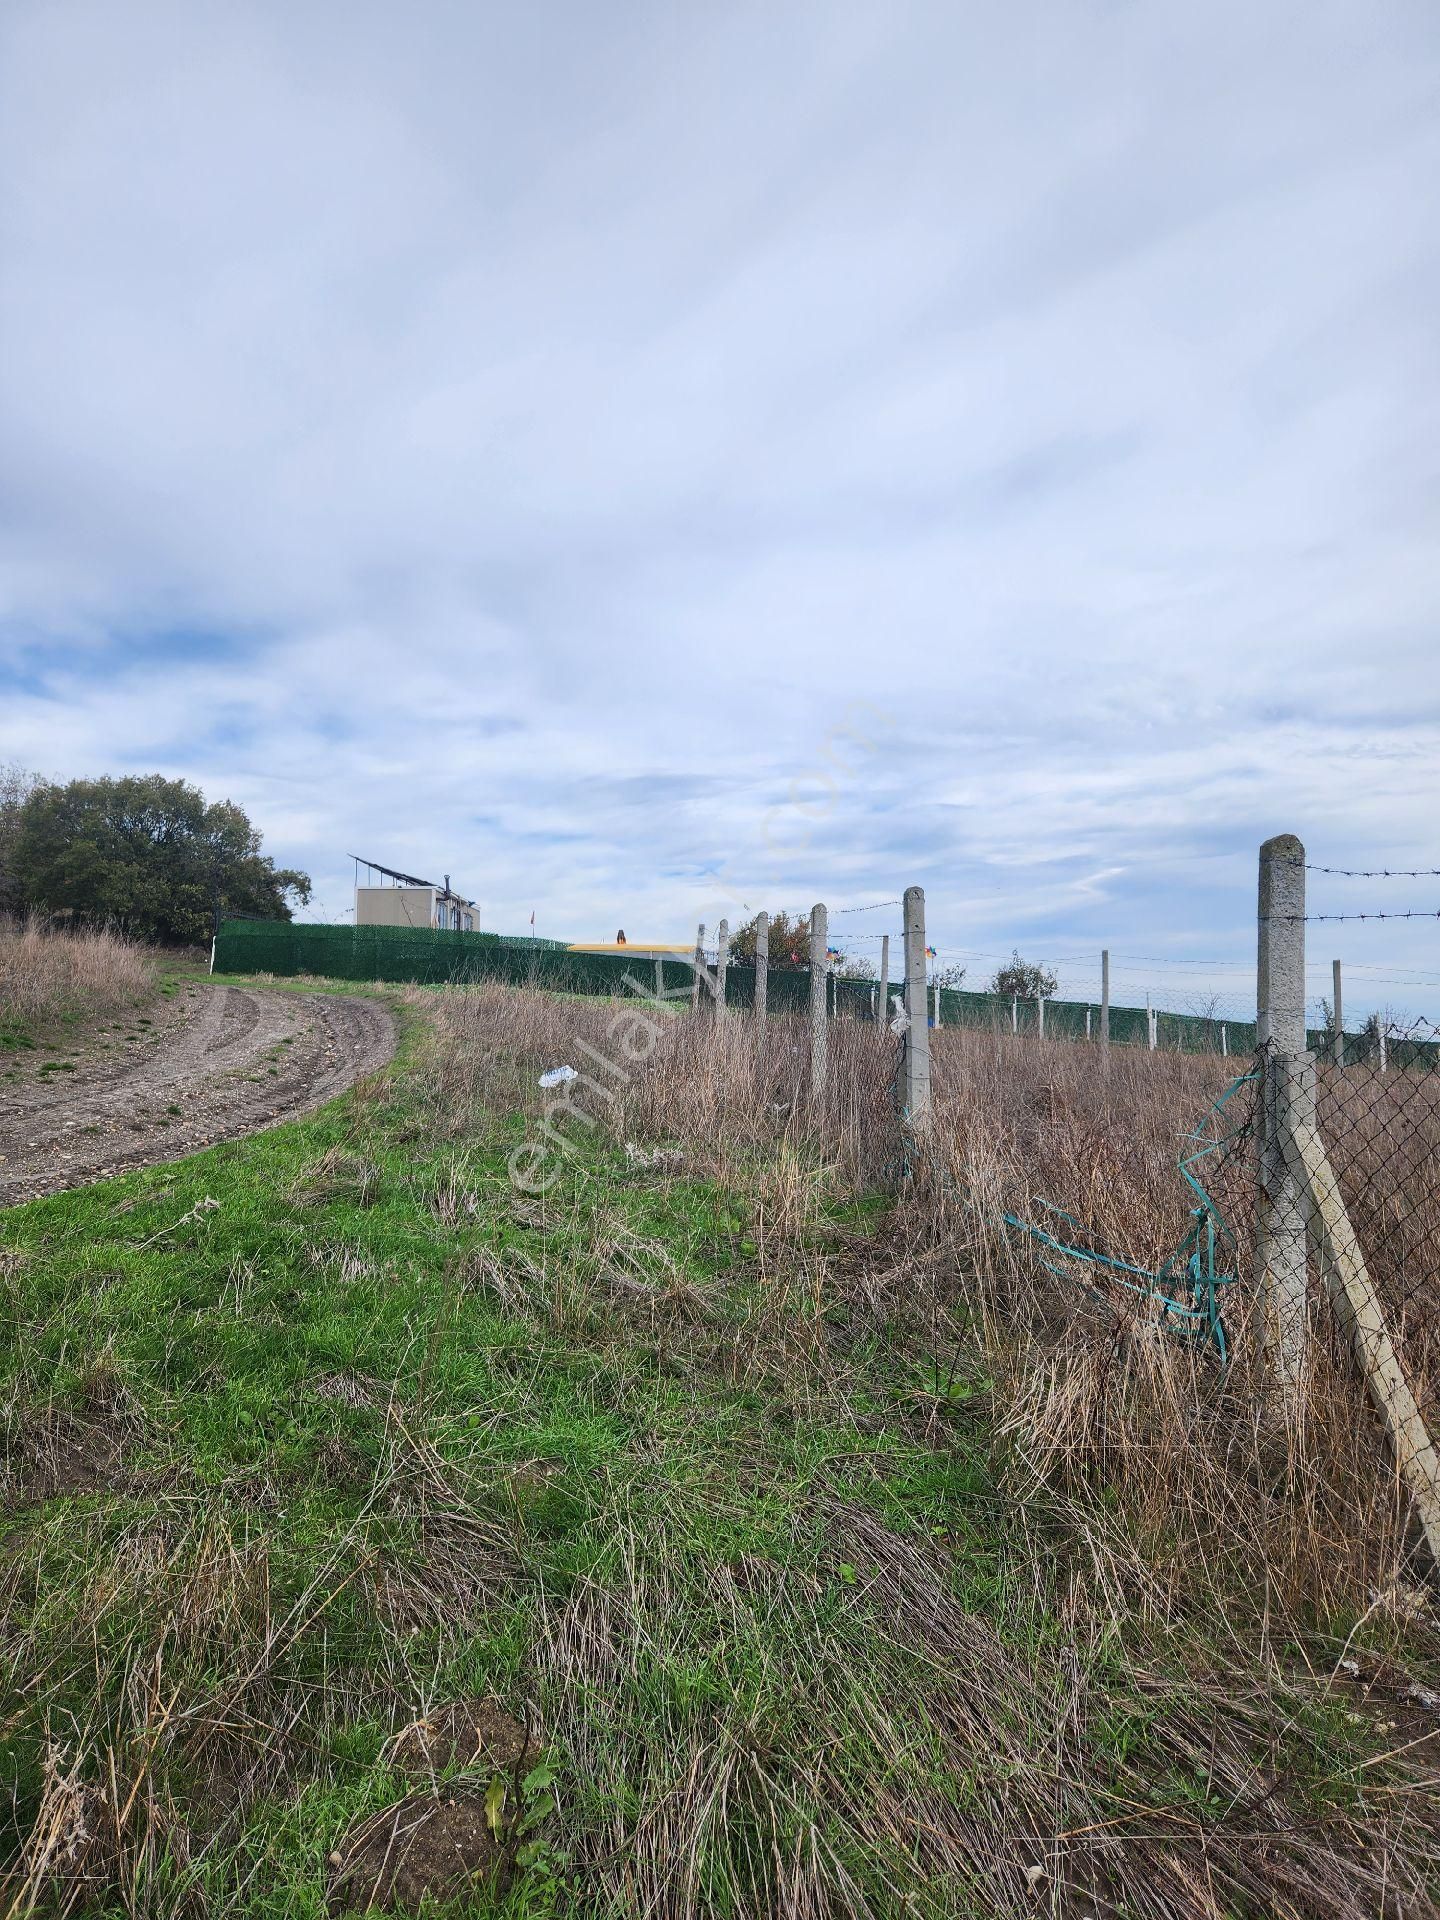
(935, 1002)
(1339, 1041)
(1105, 1000)
(885, 977)
(722, 962)
(819, 1029)
(762, 965)
(699, 979)
(916, 1076)
(1040, 1014)
(1287, 1103)
(1149, 1023)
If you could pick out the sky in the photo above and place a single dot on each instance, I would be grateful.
(653, 462)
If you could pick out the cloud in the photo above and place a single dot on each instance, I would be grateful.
(510, 442)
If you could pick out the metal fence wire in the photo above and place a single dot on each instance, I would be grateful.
(1377, 1112)
(1204, 1184)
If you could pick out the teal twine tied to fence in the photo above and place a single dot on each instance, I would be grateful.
(1189, 1284)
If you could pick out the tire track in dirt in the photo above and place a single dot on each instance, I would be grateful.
(213, 1064)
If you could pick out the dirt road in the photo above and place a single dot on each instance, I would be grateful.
(208, 1064)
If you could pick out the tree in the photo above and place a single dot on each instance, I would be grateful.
(855, 966)
(1023, 980)
(148, 854)
(789, 942)
(16, 786)
(950, 976)
(789, 948)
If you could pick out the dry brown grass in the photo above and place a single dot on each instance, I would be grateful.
(51, 978)
(1163, 1497)
(1178, 1482)
(1182, 1484)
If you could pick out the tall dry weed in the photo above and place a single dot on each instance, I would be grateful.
(1177, 1480)
(50, 977)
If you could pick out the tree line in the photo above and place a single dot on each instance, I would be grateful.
(147, 855)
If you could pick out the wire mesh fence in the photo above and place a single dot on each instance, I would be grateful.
(1378, 1119)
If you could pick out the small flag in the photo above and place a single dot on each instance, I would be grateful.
(532, 916)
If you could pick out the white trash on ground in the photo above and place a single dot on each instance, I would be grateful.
(558, 1076)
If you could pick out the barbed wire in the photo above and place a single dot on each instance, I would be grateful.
(1371, 873)
(1413, 913)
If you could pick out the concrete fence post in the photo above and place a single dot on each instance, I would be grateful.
(1040, 1015)
(935, 1003)
(1224, 1040)
(884, 976)
(1287, 1104)
(819, 989)
(699, 967)
(1149, 1023)
(1105, 1000)
(762, 964)
(722, 962)
(916, 1078)
(1339, 1016)
(1087, 1023)
(1384, 1029)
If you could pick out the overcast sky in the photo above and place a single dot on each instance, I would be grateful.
(513, 440)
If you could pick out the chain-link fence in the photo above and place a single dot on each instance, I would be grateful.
(1378, 1117)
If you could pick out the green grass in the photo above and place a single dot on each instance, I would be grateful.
(370, 1431)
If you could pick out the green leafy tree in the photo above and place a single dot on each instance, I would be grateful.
(147, 854)
(1023, 980)
(16, 786)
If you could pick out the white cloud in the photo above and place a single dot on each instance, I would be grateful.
(506, 440)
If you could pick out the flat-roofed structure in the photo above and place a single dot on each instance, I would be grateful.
(405, 900)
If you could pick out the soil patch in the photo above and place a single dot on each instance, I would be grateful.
(435, 1844)
(216, 1062)
(59, 1452)
(463, 1733)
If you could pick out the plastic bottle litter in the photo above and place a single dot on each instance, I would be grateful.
(558, 1076)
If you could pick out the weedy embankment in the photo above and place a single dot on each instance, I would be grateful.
(52, 980)
(713, 1532)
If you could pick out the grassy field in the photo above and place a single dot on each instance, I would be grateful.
(712, 1533)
